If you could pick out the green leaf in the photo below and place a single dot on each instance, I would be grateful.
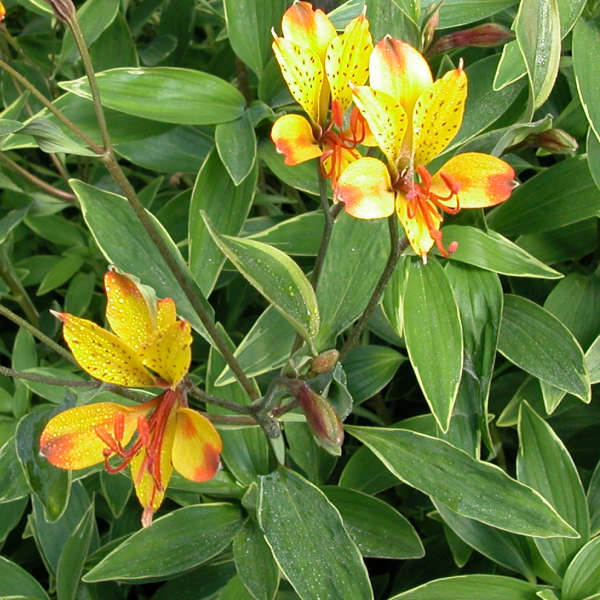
(15, 581)
(11, 220)
(10, 516)
(582, 578)
(312, 459)
(468, 587)
(180, 96)
(125, 243)
(470, 487)
(544, 463)
(593, 500)
(13, 485)
(431, 315)
(10, 126)
(301, 526)
(235, 590)
(276, 276)
(537, 342)
(493, 252)
(569, 12)
(60, 273)
(236, 145)
(227, 206)
(537, 27)
(511, 67)
(249, 25)
(593, 156)
(254, 562)
(563, 194)
(378, 529)
(115, 47)
(79, 293)
(461, 12)
(204, 582)
(177, 542)
(592, 360)
(586, 64)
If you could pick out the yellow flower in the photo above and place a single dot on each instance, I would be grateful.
(318, 65)
(150, 348)
(413, 119)
(2, 11)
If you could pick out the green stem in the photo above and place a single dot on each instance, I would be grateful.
(397, 247)
(195, 391)
(17, 290)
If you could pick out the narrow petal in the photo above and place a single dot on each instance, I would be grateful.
(165, 313)
(347, 60)
(400, 71)
(196, 447)
(417, 226)
(70, 441)
(483, 180)
(304, 74)
(386, 118)
(365, 189)
(308, 28)
(102, 354)
(170, 353)
(438, 115)
(293, 137)
(128, 311)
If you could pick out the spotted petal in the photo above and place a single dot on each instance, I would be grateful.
(197, 446)
(438, 115)
(308, 28)
(70, 439)
(483, 180)
(165, 313)
(102, 354)
(416, 227)
(365, 189)
(293, 137)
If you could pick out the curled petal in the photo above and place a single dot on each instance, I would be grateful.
(438, 115)
(165, 313)
(70, 439)
(418, 224)
(196, 447)
(365, 189)
(102, 354)
(482, 179)
(308, 28)
(128, 311)
(400, 71)
(293, 137)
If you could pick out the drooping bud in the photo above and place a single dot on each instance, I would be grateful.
(429, 29)
(324, 362)
(324, 422)
(487, 35)
(63, 9)
(553, 141)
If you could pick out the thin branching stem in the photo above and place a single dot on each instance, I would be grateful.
(200, 394)
(17, 290)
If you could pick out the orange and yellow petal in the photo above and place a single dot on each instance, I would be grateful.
(102, 354)
(166, 313)
(386, 118)
(365, 189)
(483, 180)
(293, 137)
(438, 115)
(417, 224)
(70, 441)
(304, 74)
(347, 60)
(337, 158)
(308, 28)
(196, 447)
(127, 310)
(400, 71)
(170, 353)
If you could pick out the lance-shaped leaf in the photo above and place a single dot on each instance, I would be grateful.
(15, 581)
(276, 276)
(433, 336)
(470, 487)
(582, 578)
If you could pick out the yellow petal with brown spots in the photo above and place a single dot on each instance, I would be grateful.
(438, 116)
(102, 354)
(166, 313)
(416, 227)
(293, 137)
(196, 447)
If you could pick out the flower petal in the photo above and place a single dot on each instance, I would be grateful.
(416, 227)
(70, 441)
(336, 160)
(170, 353)
(293, 137)
(438, 115)
(365, 189)
(196, 447)
(386, 118)
(347, 60)
(400, 71)
(165, 313)
(102, 354)
(127, 310)
(483, 180)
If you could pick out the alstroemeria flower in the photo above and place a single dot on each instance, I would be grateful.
(150, 347)
(318, 65)
(413, 119)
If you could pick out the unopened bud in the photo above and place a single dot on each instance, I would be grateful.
(482, 36)
(324, 422)
(324, 362)
(429, 29)
(63, 9)
(553, 141)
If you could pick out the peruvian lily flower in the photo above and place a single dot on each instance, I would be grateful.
(150, 347)
(413, 119)
(318, 65)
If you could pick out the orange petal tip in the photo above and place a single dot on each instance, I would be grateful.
(59, 315)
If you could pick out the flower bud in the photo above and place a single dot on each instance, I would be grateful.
(63, 9)
(429, 29)
(321, 417)
(482, 36)
(324, 362)
(553, 141)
